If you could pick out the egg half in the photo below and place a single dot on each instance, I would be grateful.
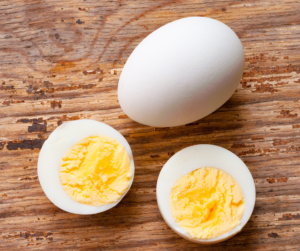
(57, 160)
(198, 157)
(181, 72)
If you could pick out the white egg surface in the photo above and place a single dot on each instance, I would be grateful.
(50, 160)
(203, 156)
(181, 72)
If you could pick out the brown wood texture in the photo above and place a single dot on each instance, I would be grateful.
(61, 61)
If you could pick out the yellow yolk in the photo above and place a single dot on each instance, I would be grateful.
(207, 203)
(96, 171)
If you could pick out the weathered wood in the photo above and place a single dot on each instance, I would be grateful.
(61, 60)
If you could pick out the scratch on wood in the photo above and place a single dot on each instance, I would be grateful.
(241, 145)
(273, 235)
(25, 120)
(2, 144)
(257, 138)
(66, 118)
(28, 178)
(287, 114)
(48, 89)
(62, 66)
(79, 21)
(290, 217)
(272, 180)
(162, 128)
(28, 235)
(6, 88)
(25, 144)
(8, 102)
(279, 142)
(272, 70)
(54, 104)
(265, 88)
(38, 127)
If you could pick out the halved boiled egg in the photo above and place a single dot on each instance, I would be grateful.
(85, 167)
(205, 193)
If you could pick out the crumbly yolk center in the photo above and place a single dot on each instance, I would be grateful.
(96, 171)
(207, 203)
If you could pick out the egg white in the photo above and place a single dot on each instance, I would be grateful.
(200, 156)
(59, 142)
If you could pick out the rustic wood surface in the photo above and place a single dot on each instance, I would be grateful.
(61, 61)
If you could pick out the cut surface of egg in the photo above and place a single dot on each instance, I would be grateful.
(96, 171)
(207, 203)
(85, 167)
(205, 193)
(181, 72)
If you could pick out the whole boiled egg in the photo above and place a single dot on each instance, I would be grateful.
(181, 72)
(205, 193)
(85, 167)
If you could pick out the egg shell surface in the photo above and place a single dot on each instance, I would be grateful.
(181, 72)
(200, 156)
(50, 158)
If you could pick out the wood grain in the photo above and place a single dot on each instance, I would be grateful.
(61, 60)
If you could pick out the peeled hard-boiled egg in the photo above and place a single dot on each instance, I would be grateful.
(205, 193)
(181, 72)
(85, 167)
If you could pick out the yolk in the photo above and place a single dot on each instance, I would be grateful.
(96, 171)
(207, 203)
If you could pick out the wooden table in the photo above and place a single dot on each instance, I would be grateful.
(61, 61)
